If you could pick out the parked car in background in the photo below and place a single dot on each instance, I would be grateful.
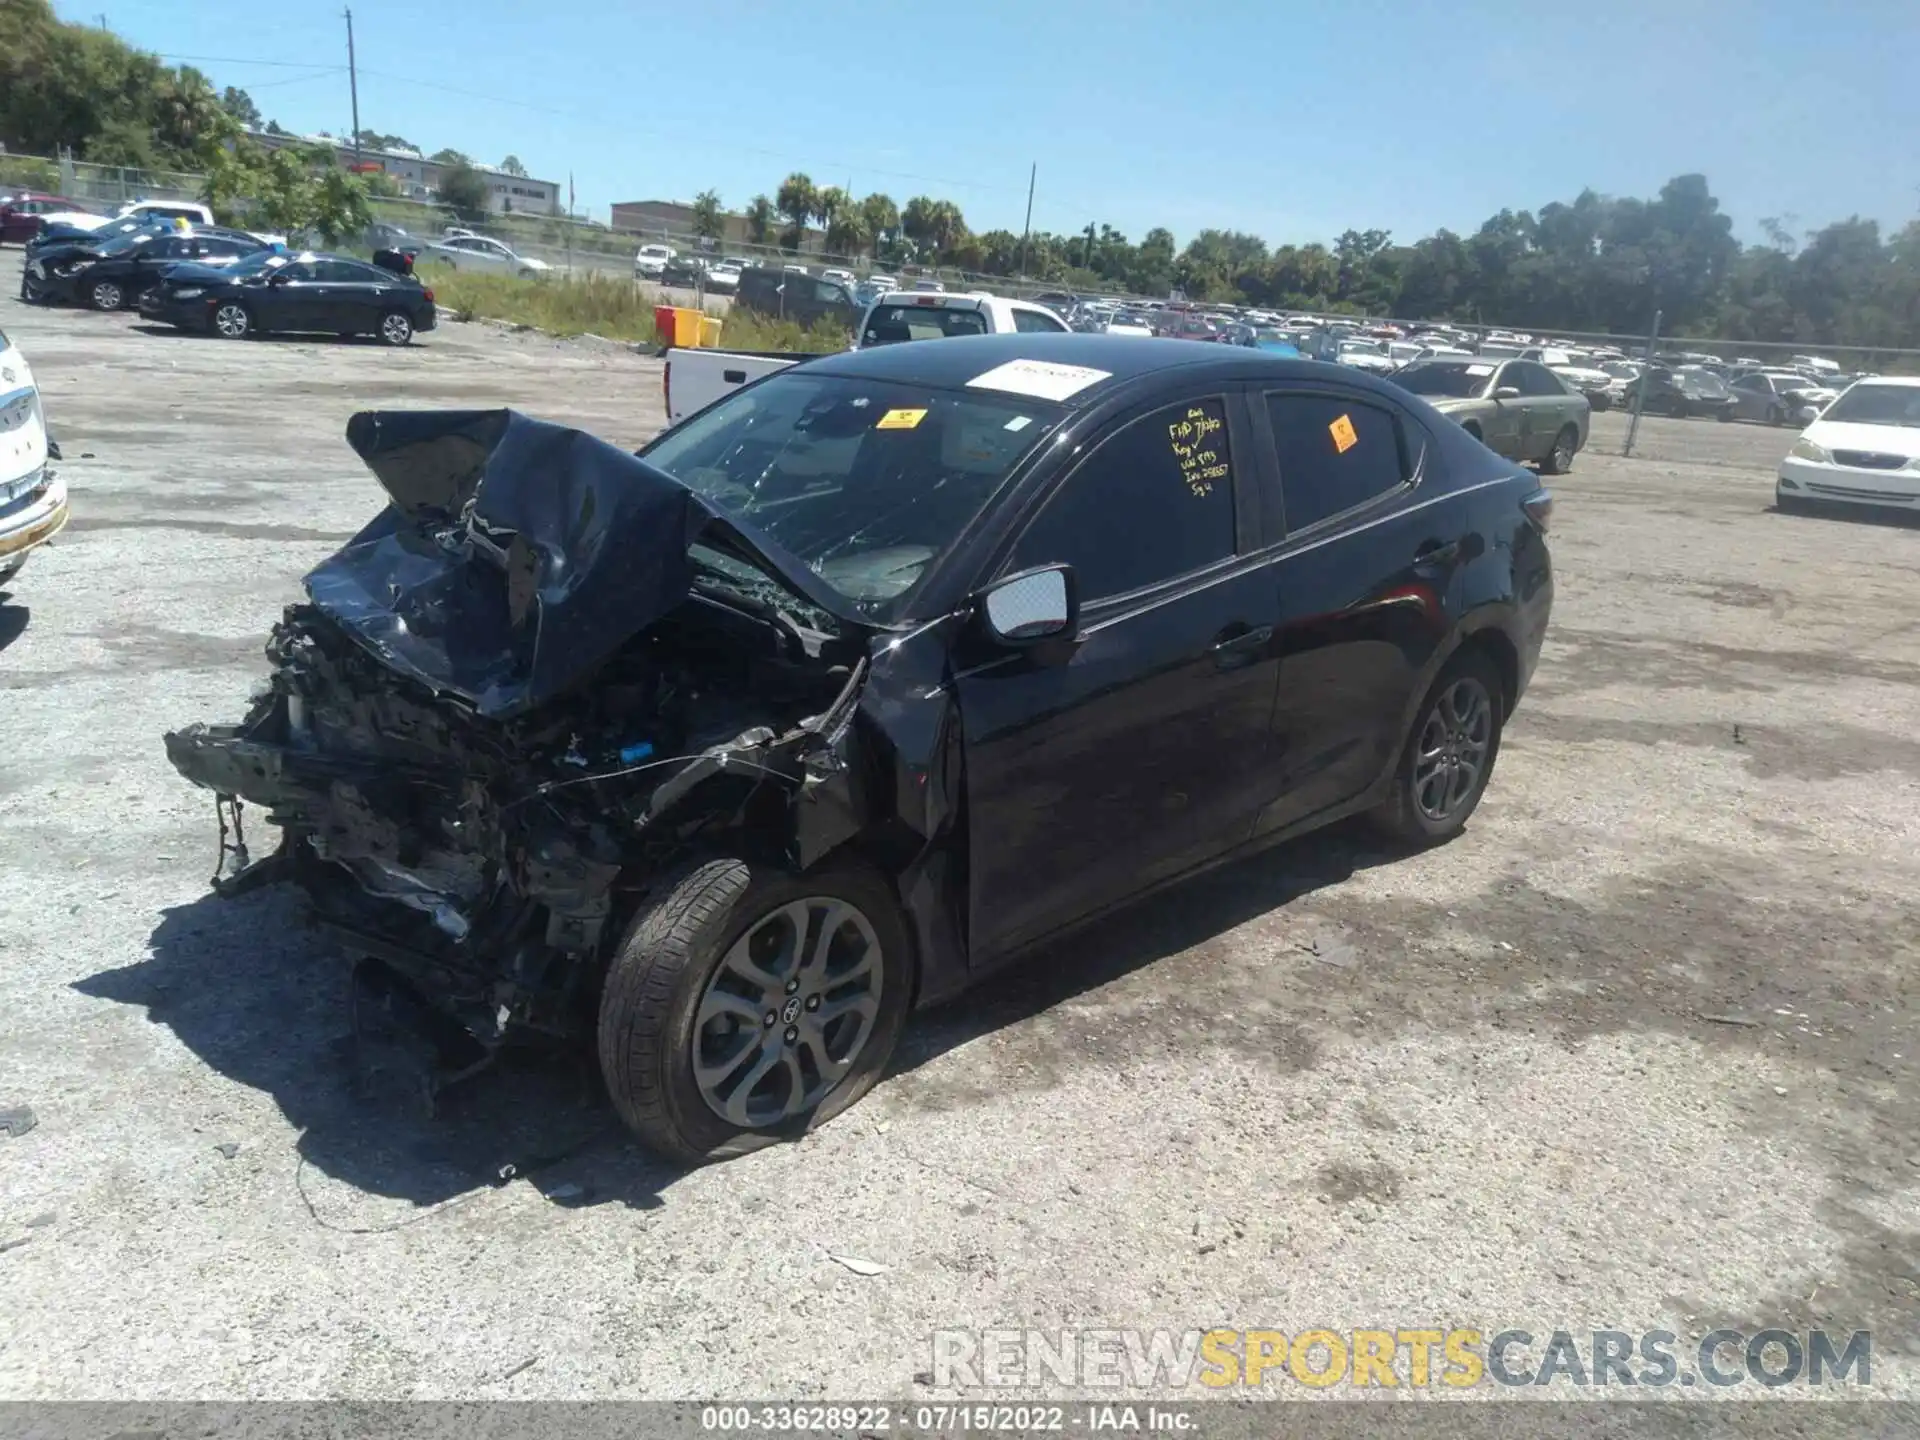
(684, 272)
(1863, 449)
(651, 261)
(1589, 379)
(1517, 408)
(1129, 322)
(841, 277)
(929, 287)
(33, 499)
(1368, 355)
(1778, 397)
(1680, 391)
(903, 316)
(723, 277)
(863, 612)
(115, 275)
(23, 215)
(54, 235)
(484, 254)
(273, 292)
(802, 298)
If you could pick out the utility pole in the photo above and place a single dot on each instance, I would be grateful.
(1640, 387)
(353, 86)
(1032, 174)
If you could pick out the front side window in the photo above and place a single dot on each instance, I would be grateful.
(1334, 453)
(1153, 503)
(866, 481)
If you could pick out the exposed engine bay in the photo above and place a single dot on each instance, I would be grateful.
(487, 829)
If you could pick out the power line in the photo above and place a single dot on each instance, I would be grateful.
(243, 60)
(625, 128)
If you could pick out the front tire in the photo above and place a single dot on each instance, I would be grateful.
(395, 329)
(106, 295)
(712, 1039)
(1449, 754)
(232, 321)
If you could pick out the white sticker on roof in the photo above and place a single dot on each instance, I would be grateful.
(1479, 369)
(1018, 422)
(1039, 379)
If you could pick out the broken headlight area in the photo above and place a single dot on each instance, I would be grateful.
(489, 861)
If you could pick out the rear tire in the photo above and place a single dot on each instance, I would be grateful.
(677, 988)
(395, 329)
(1432, 794)
(1559, 459)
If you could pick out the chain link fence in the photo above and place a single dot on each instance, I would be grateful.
(101, 186)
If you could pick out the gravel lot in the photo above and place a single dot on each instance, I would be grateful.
(1638, 1051)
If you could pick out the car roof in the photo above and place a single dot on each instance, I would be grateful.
(1905, 381)
(951, 364)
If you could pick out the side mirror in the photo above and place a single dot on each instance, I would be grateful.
(1032, 606)
(1507, 392)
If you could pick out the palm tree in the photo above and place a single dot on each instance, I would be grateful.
(759, 218)
(880, 219)
(799, 202)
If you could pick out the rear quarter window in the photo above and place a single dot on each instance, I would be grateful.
(1335, 453)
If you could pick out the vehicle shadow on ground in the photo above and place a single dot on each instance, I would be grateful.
(269, 1003)
(1171, 922)
(276, 337)
(13, 620)
(1855, 515)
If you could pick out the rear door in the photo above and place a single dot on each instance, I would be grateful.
(356, 293)
(1363, 574)
(1142, 753)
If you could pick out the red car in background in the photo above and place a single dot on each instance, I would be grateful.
(20, 214)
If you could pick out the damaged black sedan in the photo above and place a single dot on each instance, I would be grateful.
(865, 680)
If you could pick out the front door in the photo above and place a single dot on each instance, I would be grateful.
(1142, 753)
(1503, 426)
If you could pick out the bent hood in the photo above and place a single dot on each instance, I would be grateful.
(518, 555)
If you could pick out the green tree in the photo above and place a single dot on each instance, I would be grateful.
(759, 218)
(880, 219)
(798, 201)
(512, 166)
(708, 218)
(240, 106)
(449, 157)
(298, 189)
(463, 189)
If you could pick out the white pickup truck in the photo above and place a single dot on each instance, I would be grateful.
(696, 378)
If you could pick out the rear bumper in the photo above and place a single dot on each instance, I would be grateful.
(1845, 485)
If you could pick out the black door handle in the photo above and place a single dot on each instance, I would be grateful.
(1239, 645)
(733, 377)
(1432, 552)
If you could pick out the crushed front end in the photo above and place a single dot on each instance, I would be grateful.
(487, 843)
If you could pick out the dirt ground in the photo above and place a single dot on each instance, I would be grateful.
(1637, 1051)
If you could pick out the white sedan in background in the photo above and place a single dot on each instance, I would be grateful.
(1368, 355)
(485, 254)
(33, 500)
(1864, 449)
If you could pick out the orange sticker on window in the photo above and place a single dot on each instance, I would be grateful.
(1344, 438)
(900, 419)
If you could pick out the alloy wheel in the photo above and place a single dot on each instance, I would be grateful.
(1452, 756)
(1563, 453)
(107, 296)
(787, 1011)
(231, 321)
(396, 330)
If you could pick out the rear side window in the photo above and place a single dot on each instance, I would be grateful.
(1153, 503)
(893, 324)
(1029, 321)
(1334, 453)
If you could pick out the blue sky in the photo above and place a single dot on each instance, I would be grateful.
(1293, 120)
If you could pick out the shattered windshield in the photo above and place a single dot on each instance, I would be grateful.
(864, 480)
